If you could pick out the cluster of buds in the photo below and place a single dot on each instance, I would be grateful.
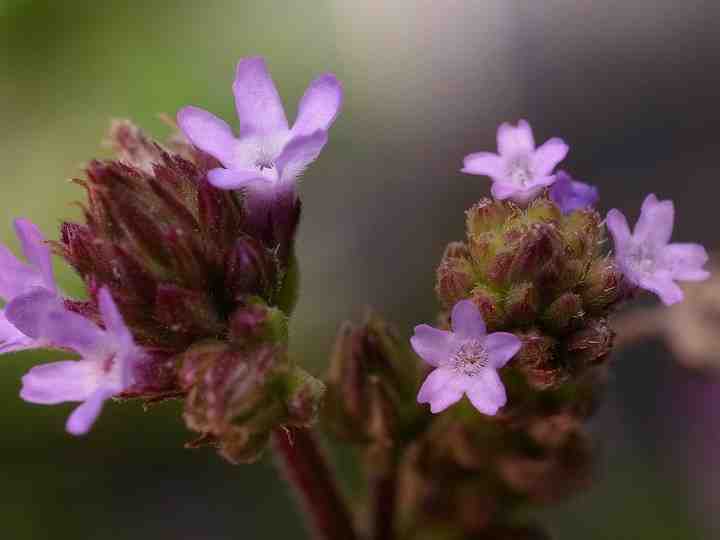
(523, 333)
(190, 282)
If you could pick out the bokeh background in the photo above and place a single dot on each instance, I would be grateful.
(632, 85)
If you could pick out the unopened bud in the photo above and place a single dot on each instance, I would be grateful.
(522, 304)
(455, 275)
(564, 314)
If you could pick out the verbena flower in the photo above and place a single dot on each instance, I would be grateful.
(17, 278)
(519, 171)
(268, 156)
(466, 361)
(107, 355)
(571, 195)
(646, 256)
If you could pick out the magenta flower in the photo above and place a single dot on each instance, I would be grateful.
(17, 278)
(466, 361)
(648, 259)
(108, 355)
(267, 156)
(571, 195)
(519, 171)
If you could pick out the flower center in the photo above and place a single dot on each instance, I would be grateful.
(642, 259)
(470, 358)
(520, 172)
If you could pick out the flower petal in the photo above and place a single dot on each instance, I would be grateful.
(208, 133)
(257, 100)
(487, 392)
(57, 382)
(501, 347)
(433, 345)
(298, 153)
(442, 388)
(319, 105)
(571, 195)
(484, 163)
(15, 276)
(619, 229)
(36, 251)
(27, 311)
(467, 321)
(12, 339)
(114, 323)
(661, 283)
(514, 140)
(82, 418)
(505, 190)
(655, 225)
(233, 178)
(548, 155)
(41, 315)
(686, 261)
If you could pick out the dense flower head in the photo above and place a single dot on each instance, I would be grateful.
(466, 361)
(646, 256)
(519, 171)
(268, 156)
(540, 274)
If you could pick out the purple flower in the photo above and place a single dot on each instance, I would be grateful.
(17, 278)
(571, 195)
(648, 259)
(268, 156)
(519, 171)
(466, 361)
(107, 356)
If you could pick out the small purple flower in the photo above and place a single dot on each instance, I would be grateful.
(268, 156)
(107, 356)
(571, 195)
(519, 171)
(466, 361)
(17, 278)
(648, 259)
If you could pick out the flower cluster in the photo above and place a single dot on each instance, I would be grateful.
(533, 264)
(187, 254)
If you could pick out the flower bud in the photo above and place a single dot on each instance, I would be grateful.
(454, 275)
(564, 314)
(522, 304)
(490, 305)
(249, 269)
(537, 362)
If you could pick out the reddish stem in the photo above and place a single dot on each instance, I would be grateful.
(307, 471)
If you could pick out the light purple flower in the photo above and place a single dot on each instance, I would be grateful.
(519, 171)
(647, 258)
(466, 361)
(571, 195)
(17, 278)
(107, 356)
(267, 156)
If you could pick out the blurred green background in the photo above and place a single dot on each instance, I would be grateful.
(632, 86)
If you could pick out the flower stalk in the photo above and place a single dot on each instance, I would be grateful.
(305, 467)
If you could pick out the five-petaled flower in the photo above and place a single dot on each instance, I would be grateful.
(571, 195)
(466, 361)
(647, 258)
(268, 156)
(18, 278)
(108, 355)
(519, 171)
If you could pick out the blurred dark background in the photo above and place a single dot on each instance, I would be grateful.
(631, 85)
